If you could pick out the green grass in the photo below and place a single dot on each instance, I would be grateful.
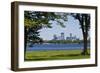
(55, 55)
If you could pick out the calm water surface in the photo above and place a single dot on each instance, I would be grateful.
(55, 47)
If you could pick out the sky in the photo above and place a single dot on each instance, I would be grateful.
(71, 26)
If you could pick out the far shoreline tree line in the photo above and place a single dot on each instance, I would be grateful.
(65, 41)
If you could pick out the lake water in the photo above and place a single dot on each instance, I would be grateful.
(37, 47)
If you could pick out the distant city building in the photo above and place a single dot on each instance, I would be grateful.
(54, 37)
(62, 37)
(72, 38)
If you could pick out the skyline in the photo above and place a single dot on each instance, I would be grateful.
(63, 37)
(71, 26)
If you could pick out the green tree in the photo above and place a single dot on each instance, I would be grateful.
(37, 20)
(84, 21)
(34, 21)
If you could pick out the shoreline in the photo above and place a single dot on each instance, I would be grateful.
(56, 49)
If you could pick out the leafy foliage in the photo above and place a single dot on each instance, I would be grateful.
(34, 21)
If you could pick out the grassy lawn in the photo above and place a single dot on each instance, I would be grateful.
(55, 55)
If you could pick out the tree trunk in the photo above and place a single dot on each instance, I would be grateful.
(85, 36)
(84, 52)
(25, 41)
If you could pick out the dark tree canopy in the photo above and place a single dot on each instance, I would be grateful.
(36, 20)
(43, 18)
